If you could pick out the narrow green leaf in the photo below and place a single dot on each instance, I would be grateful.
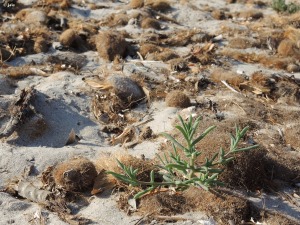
(245, 149)
(203, 135)
(176, 166)
(243, 132)
(193, 130)
(183, 124)
(123, 178)
(152, 176)
(215, 170)
(173, 140)
(141, 193)
(186, 136)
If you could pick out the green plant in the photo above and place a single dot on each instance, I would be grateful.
(182, 172)
(281, 6)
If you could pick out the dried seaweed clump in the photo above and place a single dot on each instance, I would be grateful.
(165, 55)
(63, 4)
(136, 4)
(251, 15)
(40, 45)
(150, 23)
(164, 204)
(178, 64)
(218, 15)
(242, 43)
(290, 134)
(288, 48)
(247, 171)
(111, 44)
(177, 99)
(222, 207)
(230, 77)
(67, 37)
(75, 174)
(159, 5)
(147, 48)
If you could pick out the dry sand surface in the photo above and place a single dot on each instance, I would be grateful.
(85, 82)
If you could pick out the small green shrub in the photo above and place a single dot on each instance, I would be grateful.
(281, 6)
(181, 173)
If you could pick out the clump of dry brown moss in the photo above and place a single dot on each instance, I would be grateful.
(111, 44)
(177, 99)
(150, 23)
(75, 174)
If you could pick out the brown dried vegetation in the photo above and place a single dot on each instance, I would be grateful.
(251, 14)
(40, 45)
(232, 208)
(242, 43)
(67, 37)
(147, 48)
(288, 48)
(232, 78)
(150, 23)
(177, 99)
(218, 15)
(136, 4)
(111, 44)
(159, 5)
(75, 174)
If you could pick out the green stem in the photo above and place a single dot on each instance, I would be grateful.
(155, 183)
(192, 164)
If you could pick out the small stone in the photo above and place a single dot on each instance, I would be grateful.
(126, 88)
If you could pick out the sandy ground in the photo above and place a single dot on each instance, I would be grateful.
(64, 99)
